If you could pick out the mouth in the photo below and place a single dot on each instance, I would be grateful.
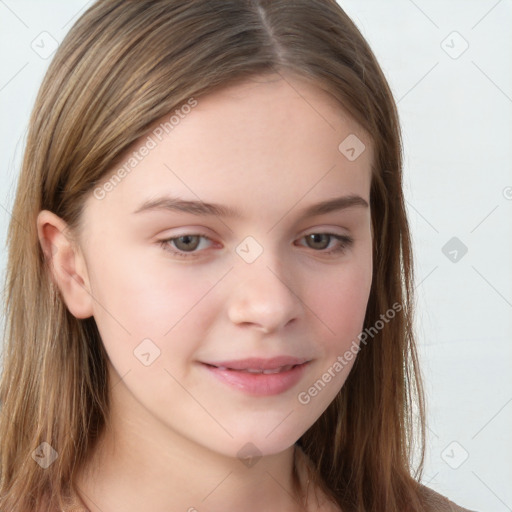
(259, 364)
(267, 371)
(259, 377)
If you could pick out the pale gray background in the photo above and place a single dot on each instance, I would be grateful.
(456, 114)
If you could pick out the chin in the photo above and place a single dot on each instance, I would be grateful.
(261, 440)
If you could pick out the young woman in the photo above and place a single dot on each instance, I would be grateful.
(209, 283)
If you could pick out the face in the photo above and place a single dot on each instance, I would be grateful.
(192, 303)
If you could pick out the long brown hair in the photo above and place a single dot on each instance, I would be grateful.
(123, 65)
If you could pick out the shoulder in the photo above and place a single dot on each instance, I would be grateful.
(435, 502)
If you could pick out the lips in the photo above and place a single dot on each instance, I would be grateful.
(259, 370)
(260, 365)
(257, 376)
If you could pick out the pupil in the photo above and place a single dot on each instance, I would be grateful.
(315, 237)
(186, 241)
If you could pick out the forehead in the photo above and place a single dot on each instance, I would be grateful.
(260, 145)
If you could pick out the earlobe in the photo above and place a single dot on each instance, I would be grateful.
(66, 263)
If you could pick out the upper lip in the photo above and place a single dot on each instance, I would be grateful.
(258, 363)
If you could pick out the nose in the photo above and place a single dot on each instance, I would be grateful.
(264, 297)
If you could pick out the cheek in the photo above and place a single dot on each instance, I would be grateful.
(136, 302)
(342, 296)
(141, 295)
(341, 300)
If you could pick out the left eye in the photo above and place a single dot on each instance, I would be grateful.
(344, 242)
(187, 244)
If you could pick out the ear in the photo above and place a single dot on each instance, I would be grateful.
(67, 264)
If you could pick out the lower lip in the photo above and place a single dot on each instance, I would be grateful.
(259, 384)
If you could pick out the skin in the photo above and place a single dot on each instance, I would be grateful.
(177, 430)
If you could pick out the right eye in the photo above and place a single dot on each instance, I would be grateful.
(188, 243)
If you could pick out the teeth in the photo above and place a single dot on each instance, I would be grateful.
(259, 370)
(275, 370)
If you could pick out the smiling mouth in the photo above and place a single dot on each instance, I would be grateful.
(257, 376)
(268, 371)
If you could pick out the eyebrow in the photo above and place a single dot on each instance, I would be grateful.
(199, 208)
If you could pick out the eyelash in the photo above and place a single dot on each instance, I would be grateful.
(345, 243)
